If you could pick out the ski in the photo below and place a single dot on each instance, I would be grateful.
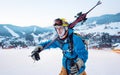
(82, 17)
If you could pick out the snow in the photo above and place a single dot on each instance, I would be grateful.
(112, 28)
(1, 38)
(18, 62)
(23, 33)
(34, 29)
(35, 37)
(117, 46)
(11, 32)
(103, 63)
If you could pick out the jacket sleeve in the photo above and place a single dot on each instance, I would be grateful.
(53, 45)
(80, 49)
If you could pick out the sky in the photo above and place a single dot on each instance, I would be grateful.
(43, 12)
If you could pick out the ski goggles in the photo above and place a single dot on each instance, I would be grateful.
(58, 27)
(57, 24)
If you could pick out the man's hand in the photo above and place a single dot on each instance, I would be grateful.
(74, 69)
(35, 53)
(77, 66)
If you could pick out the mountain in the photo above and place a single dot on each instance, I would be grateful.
(16, 36)
(106, 35)
(104, 19)
(109, 23)
(8, 30)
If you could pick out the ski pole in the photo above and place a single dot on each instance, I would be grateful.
(82, 17)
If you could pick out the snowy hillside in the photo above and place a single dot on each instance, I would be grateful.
(11, 31)
(112, 28)
(18, 62)
(100, 36)
(8, 30)
(105, 19)
(15, 36)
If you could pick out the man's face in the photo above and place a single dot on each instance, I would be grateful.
(60, 30)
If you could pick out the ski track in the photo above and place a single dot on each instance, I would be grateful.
(11, 31)
(18, 62)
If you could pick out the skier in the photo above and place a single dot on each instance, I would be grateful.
(75, 54)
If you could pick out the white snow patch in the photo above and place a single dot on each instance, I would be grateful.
(11, 32)
(35, 37)
(23, 33)
(34, 29)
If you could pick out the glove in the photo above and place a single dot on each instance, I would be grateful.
(76, 67)
(35, 53)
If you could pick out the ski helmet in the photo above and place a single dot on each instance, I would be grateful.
(61, 27)
(61, 22)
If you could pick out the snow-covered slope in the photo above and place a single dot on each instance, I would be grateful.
(18, 62)
(11, 32)
(112, 28)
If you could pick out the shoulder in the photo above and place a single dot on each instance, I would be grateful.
(79, 39)
(76, 36)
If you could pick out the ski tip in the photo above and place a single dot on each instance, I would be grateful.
(99, 2)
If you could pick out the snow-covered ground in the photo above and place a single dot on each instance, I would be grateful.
(18, 62)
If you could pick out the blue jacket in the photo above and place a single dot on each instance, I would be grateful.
(78, 51)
